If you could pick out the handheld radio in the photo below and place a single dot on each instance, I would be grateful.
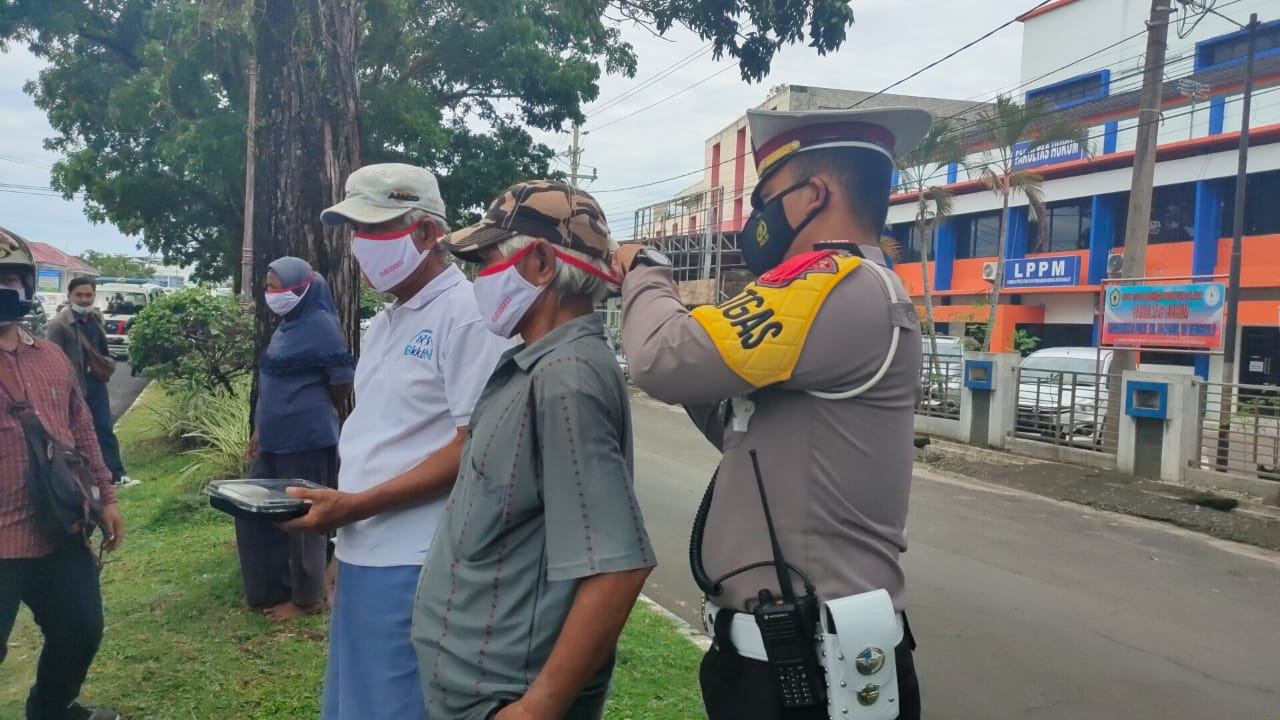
(788, 626)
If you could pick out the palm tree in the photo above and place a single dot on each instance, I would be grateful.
(918, 170)
(1005, 125)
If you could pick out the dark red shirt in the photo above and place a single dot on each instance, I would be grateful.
(52, 389)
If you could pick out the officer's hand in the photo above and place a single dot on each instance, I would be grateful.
(624, 256)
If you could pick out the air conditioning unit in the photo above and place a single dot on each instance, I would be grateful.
(1115, 263)
(989, 271)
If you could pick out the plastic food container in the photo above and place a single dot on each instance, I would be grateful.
(259, 499)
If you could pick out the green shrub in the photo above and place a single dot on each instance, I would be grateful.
(221, 437)
(193, 341)
(210, 429)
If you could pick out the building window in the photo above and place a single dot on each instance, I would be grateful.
(908, 244)
(1067, 229)
(1077, 90)
(1230, 48)
(1173, 214)
(1261, 211)
(978, 236)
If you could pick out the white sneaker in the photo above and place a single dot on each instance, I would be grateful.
(126, 481)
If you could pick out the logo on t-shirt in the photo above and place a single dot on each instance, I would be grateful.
(421, 346)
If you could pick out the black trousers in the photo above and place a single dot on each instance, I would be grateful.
(99, 402)
(738, 688)
(63, 594)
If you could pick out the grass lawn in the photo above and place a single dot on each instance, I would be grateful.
(180, 645)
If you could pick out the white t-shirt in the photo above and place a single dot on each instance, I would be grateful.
(421, 370)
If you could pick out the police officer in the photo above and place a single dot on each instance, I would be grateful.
(820, 361)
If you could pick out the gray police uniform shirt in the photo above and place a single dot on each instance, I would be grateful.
(544, 499)
(837, 472)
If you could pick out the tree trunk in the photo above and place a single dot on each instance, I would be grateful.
(999, 279)
(310, 143)
(921, 225)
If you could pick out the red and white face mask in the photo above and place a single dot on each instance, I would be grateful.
(504, 296)
(387, 260)
(286, 299)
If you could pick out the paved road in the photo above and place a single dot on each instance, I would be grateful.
(1030, 608)
(124, 389)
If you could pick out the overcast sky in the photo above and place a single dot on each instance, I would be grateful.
(889, 40)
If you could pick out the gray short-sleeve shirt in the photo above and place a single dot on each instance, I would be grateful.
(544, 499)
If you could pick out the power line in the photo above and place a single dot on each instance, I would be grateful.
(615, 121)
(948, 56)
(28, 163)
(649, 82)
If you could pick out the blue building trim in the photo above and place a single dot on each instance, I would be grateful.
(1101, 231)
(1202, 47)
(1017, 222)
(1105, 89)
(953, 173)
(944, 253)
(1111, 132)
(1217, 114)
(1204, 242)
(1208, 227)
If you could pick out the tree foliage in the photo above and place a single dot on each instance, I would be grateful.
(118, 265)
(1005, 125)
(193, 341)
(920, 171)
(148, 98)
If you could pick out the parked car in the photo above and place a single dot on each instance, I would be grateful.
(1062, 395)
(119, 303)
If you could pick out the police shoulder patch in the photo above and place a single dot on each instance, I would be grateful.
(760, 332)
(818, 261)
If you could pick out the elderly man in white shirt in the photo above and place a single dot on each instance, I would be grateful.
(423, 364)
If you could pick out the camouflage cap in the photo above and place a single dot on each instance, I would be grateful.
(549, 209)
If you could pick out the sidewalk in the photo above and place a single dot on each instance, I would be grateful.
(1255, 520)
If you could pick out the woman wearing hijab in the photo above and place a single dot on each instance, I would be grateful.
(304, 376)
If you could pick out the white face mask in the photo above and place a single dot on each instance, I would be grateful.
(504, 296)
(282, 301)
(81, 309)
(387, 260)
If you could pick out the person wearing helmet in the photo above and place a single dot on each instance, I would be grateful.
(54, 574)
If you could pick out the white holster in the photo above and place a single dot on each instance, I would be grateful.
(862, 674)
(858, 658)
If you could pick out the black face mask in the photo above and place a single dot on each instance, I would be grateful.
(13, 305)
(767, 235)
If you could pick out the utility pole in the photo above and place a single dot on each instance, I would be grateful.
(1237, 238)
(1137, 226)
(250, 158)
(575, 158)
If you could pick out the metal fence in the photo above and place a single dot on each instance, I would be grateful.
(1240, 430)
(941, 377)
(1067, 409)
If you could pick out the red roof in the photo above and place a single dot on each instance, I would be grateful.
(46, 254)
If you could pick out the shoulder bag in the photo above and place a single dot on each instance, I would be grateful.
(62, 488)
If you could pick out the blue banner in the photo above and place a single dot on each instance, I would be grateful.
(1061, 271)
(49, 280)
(1058, 151)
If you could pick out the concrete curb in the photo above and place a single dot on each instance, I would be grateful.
(145, 389)
(687, 631)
